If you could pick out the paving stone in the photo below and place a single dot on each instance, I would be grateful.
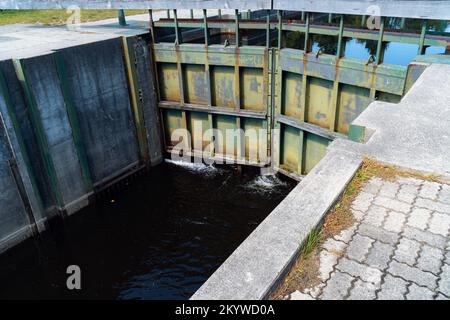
(432, 239)
(412, 274)
(389, 189)
(444, 195)
(358, 215)
(362, 201)
(392, 204)
(440, 296)
(337, 287)
(410, 180)
(408, 193)
(373, 185)
(429, 190)
(419, 293)
(393, 288)
(407, 251)
(363, 291)
(394, 221)
(346, 235)
(359, 247)
(297, 295)
(430, 259)
(378, 233)
(327, 262)
(334, 246)
(439, 223)
(315, 291)
(379, 255)
(418, 218)
(359, 270)
(444, 281)
(375, 215)
(433, 205)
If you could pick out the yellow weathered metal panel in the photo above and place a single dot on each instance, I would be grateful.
(225, 124)
(352, 101)
(222, 84)
(318, 101)
(291, 95)
(253, 144)
(169, 85)
(172, 121)
(198, 123)
(195, 84)
(252, 89)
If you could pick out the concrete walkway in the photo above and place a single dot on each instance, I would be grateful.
(397, 249)
(23, 40)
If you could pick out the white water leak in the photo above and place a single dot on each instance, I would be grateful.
(266, 184)
(208, 170)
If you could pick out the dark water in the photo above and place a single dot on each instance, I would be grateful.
(160, 238)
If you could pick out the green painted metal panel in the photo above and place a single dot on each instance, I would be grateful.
(291, 95)
(356, 133)
(195, 86)
(352, 101)
(252, 89)
(169, 85)
(289, 148)
(315, 150)
(222, 85)
(318, 101)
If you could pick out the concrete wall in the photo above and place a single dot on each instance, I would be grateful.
(69, 127)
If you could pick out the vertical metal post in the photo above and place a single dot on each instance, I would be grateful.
(363, 21)
(220, 14)
(330, 18)
(191, 12)
(151, 25)
(280, 27)
(236, 12)
(268, 29)
(121, 17)
(306, 46)
(402, 23)
(168, 14)
(335, 93)
(177, 31)
(339, 50)
(378, 58)
(303, 15)
(205, 27)
(422, 37)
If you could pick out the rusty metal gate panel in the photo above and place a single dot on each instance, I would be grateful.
(304, 98)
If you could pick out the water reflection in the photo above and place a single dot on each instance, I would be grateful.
(392, 52)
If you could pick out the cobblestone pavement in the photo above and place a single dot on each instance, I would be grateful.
(399, 247)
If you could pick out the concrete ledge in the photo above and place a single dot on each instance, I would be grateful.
(414, 133)
(257, 264)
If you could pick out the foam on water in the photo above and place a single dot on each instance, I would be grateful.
(208, 170)
(265, 184)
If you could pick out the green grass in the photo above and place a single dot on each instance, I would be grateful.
(311, 242)
(57, 17)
